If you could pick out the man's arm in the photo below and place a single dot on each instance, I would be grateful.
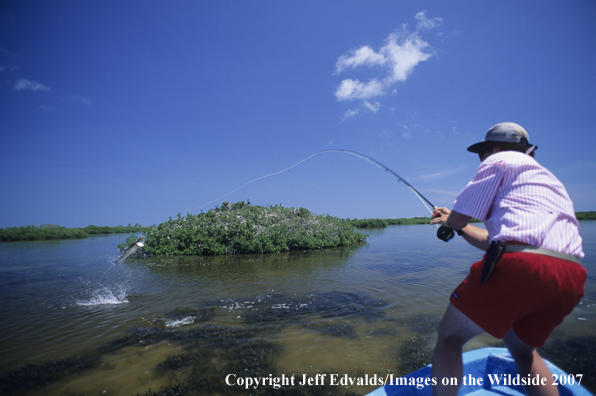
(475, 236)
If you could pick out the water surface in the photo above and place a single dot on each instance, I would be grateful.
(74, 322)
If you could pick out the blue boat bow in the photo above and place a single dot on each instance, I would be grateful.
(497, 371)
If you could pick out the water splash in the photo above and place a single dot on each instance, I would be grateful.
(176, 322)
(106, 296)
(180, 322)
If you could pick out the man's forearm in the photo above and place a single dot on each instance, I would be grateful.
(476, 236)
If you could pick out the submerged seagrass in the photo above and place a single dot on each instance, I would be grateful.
(209, 352)
(241, 228)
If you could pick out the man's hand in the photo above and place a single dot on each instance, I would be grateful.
(449, 218)
(440, 216)
(475, 236)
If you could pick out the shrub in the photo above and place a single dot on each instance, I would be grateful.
(241, 228)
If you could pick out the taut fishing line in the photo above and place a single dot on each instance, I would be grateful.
(443, 233)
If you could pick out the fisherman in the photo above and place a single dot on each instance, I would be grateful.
(531, 276)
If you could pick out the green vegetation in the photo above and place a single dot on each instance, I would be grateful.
(382, 223)
(410, 221)
(92, 229)
(240, 228)
(52, 231)
(43, 232)
(585, 215)
(368, 223)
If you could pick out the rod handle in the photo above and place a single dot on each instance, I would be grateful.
(445, 233)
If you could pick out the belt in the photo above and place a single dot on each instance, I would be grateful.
(543, 251)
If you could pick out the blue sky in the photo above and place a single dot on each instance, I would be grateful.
(118, 112)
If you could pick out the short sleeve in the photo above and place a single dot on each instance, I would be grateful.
(477, 197)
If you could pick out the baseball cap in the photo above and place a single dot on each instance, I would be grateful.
(507, 132)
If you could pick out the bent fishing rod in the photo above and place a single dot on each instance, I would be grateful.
(443, 233)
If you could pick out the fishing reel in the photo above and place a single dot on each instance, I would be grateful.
(445, 233)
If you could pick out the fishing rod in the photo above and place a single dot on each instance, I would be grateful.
(443, 233)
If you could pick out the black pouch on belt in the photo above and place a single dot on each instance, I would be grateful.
(493, 254)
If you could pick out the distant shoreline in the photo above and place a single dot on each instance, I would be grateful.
(382, 223)
(55, 232)
(46, 232)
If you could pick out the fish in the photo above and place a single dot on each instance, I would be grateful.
(131, 249)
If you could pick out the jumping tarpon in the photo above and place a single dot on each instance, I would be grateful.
(131, 249)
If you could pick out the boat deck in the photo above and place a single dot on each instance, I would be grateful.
(487, 371)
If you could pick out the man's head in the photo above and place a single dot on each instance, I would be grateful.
(502, 137)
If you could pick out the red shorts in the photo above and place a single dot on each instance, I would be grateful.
(531, 293)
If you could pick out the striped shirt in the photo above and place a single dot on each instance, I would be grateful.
(520, 200)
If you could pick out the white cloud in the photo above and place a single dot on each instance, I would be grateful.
(7, 66)
(407, 133)
(404, 53)
(349, 114)
(397, 59)
(81, 99)
(453, 193)
(374, 107)
(425, 23)
(362, 56)
(354, 89)
(441, 175)
(29, 85)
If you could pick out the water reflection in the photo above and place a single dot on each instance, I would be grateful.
(250, 265)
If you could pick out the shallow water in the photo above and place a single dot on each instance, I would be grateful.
(85, 325)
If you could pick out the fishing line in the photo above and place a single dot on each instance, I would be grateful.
(443, 233)
(254, 180)
(386, 169)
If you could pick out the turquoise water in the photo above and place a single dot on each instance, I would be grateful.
(74, 322)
